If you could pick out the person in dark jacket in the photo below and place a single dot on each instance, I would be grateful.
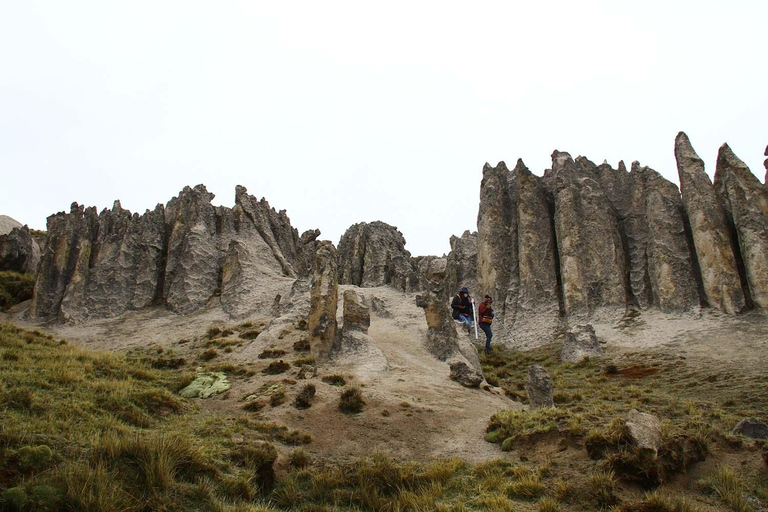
(462, 308)
(486, 314)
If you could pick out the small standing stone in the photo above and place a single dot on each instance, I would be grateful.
(645, 431)
(540, 388)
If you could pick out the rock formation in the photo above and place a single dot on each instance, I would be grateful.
(353, 342)
(373, 254)
(592, 259)
(720, 276)
(321, 323)
(645, 431)
(540, 388)
(7, 224)
(19, 251)
(580, 343)
(745, 203)
(180, 255)
(442, 341)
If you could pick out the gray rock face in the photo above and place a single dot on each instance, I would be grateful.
(745, 203)
(462, 261)
(442, 341)
(321, 323)
(19, 251)
(580, 343)
(720, 276)
(373, 254)
(7, 224)
(180, 256)
(539, 388)
(536, 313)
(357, 316)
(496, 234)
(353, 344)
(592, 258)
(645, 430)
(751, 427)
(465, 375)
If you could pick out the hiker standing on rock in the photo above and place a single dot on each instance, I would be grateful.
(462, 308)
(486, 314)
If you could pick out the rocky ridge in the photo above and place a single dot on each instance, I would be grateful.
(590, 241)
(180, 255)
(581, 242)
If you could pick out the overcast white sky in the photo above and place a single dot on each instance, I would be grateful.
(341, 112)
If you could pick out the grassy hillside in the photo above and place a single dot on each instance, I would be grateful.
(97, 431)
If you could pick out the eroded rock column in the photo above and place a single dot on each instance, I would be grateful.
(720, 276)
(745, 202)
(321, 323)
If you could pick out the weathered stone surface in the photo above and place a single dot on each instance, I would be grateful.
(461, 263)
(373, 254)
(7, 224)
(321, 323)
(580, 343)
(465, 375)
(751, 427)
(536, 315)
(745, 203)
(353, 344)
(442, 341)
(645, 431)
(64, 262)
(720, 276)
(357, 316)
(668, 281)
(497, 235)
(540, 388)
(19, 251)
(181, 256)
(592, 259)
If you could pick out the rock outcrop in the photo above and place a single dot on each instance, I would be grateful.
(321, 323)
(180, 255)
(7, 224)
(645, 431)
(580, 343)
(720, 276)
(373, 254)
(442, 341)
(745, 203)
(590, 241)
(353, 344)
(592, 258)
(19, 251)
(540, 388)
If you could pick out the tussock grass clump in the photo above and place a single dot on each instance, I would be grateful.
(351, 400)
(250, 334)
(334, 379)
(271, 354)
(209, 354)
(276, 367)
(728, 486)
(304, 360)
(507, 427)
(305, 397)
(15, 288)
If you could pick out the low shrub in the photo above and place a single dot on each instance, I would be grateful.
(305, 397)
(351, 400)
(334, 380)
(276, 367)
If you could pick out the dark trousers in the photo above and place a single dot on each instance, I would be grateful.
(488, 335)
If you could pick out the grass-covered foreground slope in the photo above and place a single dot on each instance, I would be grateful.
(97, 431)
